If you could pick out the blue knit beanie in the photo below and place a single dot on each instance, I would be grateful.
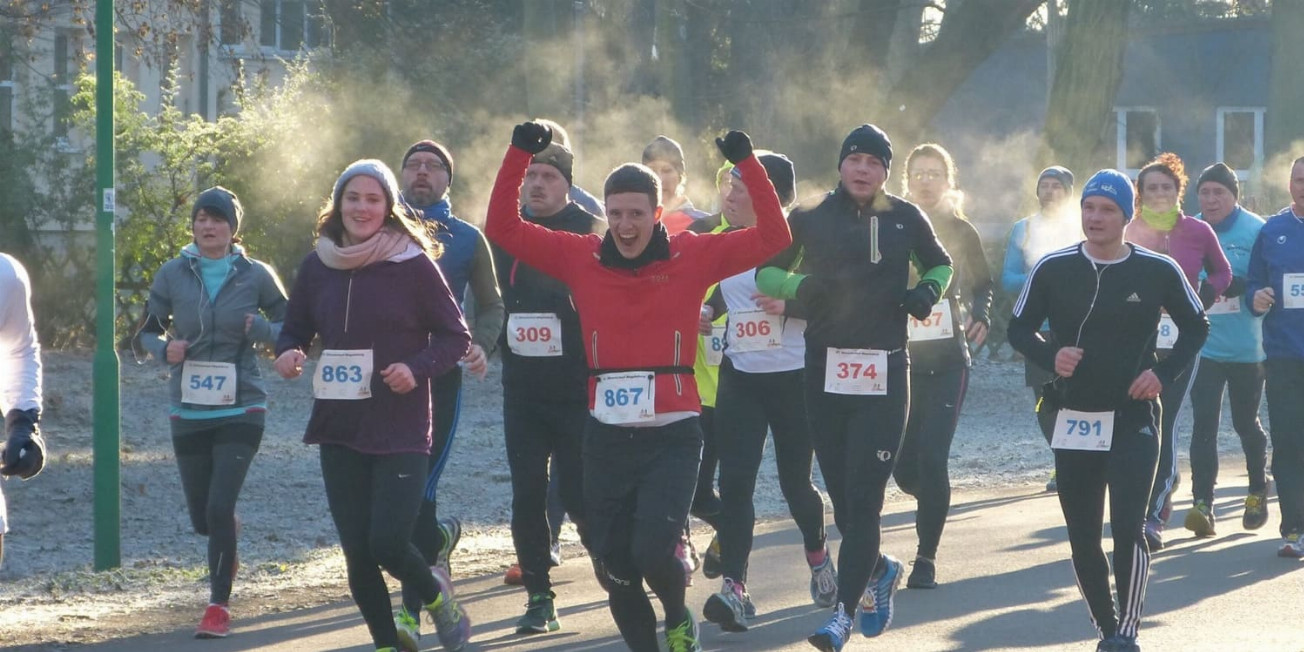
(1113, 185)
(372, 168)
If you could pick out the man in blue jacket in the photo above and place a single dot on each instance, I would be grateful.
(1276, 282)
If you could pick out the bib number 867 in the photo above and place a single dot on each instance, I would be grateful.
(622, 397)
(207, 382)
(341, 374)
(855, 370)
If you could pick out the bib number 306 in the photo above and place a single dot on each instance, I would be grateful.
(1083, 431)
(856, 371)
(343, 375)
(625, 397)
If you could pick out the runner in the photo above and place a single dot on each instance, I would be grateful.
(638, 292)
(856, 248)
(761, 391)
(1277, 270)
(23, 454)
(1103, 299)
(1055, 226)
(939, 354)
(544, 385)
(1193, 244)
(665, 157)
(1232, 358)
(426, 175)
(372, 292)
(207, 309)
(580, 196)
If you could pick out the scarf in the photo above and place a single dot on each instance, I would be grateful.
(658, 248)
(1161, 221)
(386, 244)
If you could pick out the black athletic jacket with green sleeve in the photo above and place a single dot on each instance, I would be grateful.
(1111, 311)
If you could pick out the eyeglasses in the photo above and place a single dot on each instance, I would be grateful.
(928, 175)
(416, 166)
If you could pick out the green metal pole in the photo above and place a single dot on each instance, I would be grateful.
(106, 406)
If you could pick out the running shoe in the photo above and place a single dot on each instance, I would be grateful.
(683, 637)
(409, 631)
(1292, 547)
(749, 607)
(712, 565)
(451, 528)
(876, 606)
(834, 634)
(726, 608)
(824, 581)
(451, 623)
(1120, 643)
(1052, 484)
(216, 622)
(554, 554)
(924, 575)
(1154, 533)
(540, 615)
(687, 555)
(1256, 510)
(1200, 520)
(513, 576)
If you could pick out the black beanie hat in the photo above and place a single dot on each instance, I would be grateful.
(1220, 173)
(434, 148)
(664, 148)
(781, 173)
(1060, 174)
(558, 156)
(867, 139)
(219, 201)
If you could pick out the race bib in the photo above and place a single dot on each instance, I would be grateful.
(1224, 306)
(1167, 336)
(714, 344)
(856, 371)
(755, 330)
(625, 397)
(534, 334)
(1292, 285)
(343, 375)
(936, 326)
(208, 383)
(1083, 431)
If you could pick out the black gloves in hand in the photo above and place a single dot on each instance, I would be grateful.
(736, 146)
(1207, 294)
(24, 452)
(920, 300)
(1236, 288)
(532, 137)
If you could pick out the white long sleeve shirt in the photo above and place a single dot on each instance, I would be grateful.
(20, 353)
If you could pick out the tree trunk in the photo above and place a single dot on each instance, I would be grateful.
(1087, 76)
(1284, 118)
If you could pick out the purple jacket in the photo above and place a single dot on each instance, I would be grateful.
(402, 311)
(1192, 243)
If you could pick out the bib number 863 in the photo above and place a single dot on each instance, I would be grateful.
(341, 374)
(622, 397)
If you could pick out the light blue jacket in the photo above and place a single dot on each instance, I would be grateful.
(1236, 336)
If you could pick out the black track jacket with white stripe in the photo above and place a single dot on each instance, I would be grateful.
(1111, 311)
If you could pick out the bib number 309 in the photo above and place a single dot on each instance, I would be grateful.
(625, 397)
(343, 375)
(1083, 431)
(534, 334)
(208, 383)
(856, 371)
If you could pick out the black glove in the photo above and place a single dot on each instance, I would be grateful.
(24, 452)
(532, 137)
(1207, 294)
(812, 291)
(1236, 288)
(919, 301)
(736, 146)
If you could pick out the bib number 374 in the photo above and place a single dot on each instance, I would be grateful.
(208, 383)
(625, 397)
(1083, 431)
(343, 375)
(856, 371)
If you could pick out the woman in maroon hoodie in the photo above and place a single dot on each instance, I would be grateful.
(388, 324)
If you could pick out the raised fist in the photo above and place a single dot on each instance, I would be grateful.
(532, 137)
(736, 146)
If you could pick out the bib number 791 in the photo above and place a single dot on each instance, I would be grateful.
(1083, 431)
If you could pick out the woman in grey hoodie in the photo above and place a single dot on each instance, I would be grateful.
(207, 308)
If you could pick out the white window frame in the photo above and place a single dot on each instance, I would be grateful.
(72, 45)
(1120, 152)
(8, 82)
(1220, 114)
(278, 49)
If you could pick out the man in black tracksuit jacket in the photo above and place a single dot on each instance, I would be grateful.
(545, 391)
(1103, 299)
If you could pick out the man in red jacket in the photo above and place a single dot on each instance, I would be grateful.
(638, 293)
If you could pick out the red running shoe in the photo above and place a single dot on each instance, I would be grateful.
(216, 622)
